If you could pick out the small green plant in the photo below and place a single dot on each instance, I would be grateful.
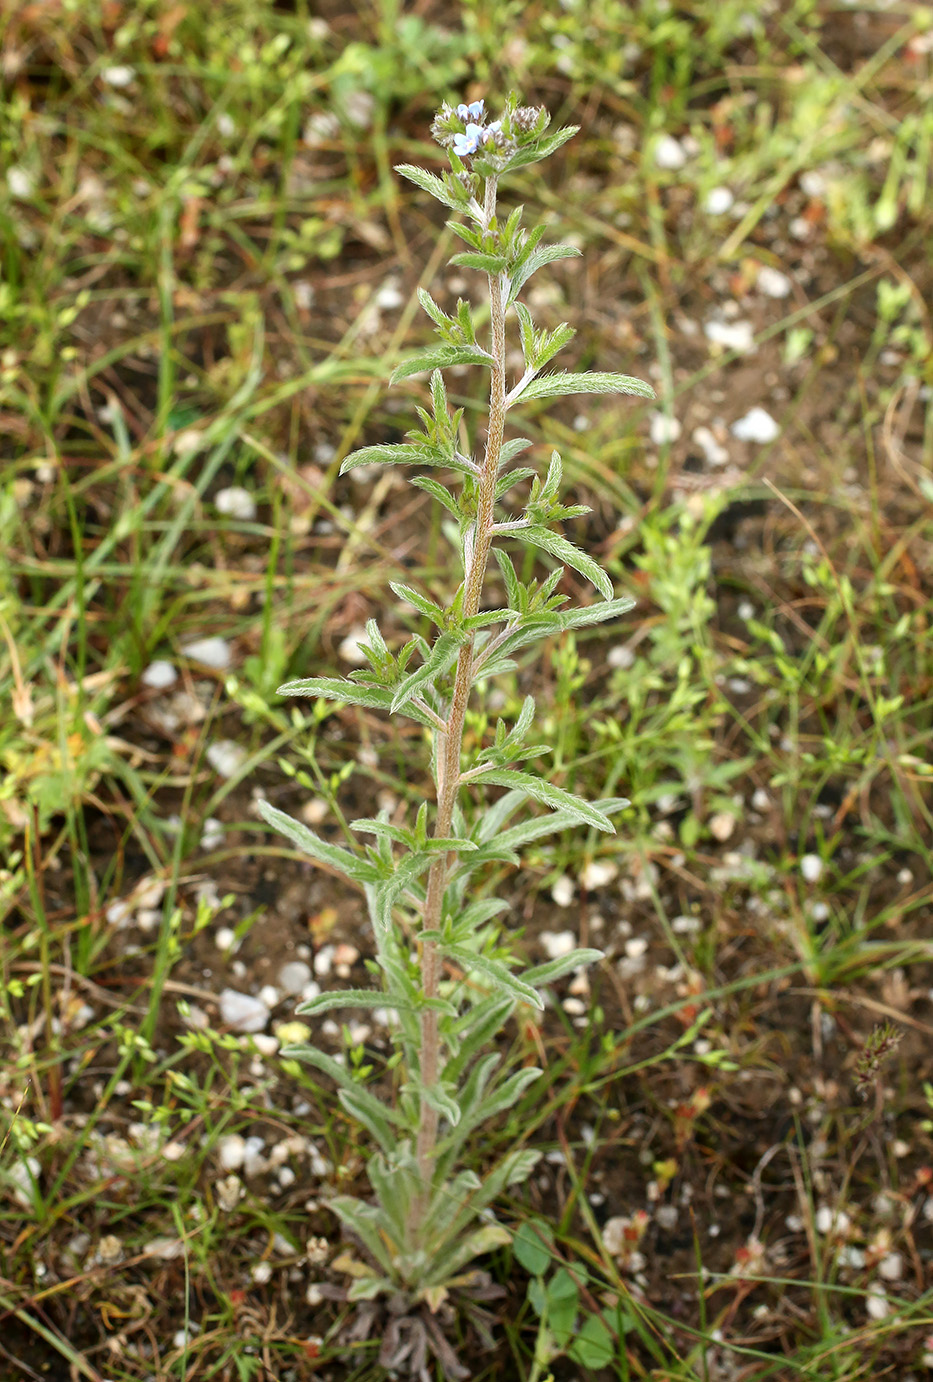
(448, 969)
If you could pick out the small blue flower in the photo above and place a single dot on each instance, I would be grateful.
(473, 111)
(468, 142)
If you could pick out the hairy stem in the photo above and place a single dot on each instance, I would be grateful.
(449, 744)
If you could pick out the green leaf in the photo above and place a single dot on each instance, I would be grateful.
(438, 492)
(594, 1346)
(369, 1223)
(543, 148)
(403, 453)
(497, 974)
(566, 553)
(350, 693)
(533, 1246)
(595, 614)
(511, 449)
(438, 1098)
(561, 382)
(441, 357)
(488, 263)
(537, 260)
(505, 1095)
(420, 602)
(443, 654)
(538, 789)
(433, 185)
(542, 975)
(364, 998)
(341, 860)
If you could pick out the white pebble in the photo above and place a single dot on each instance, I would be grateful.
(167, 1249)
(746, 611)
(598, 873)
(389, 296)
(261, 1272)
(713, 451)
(349, 648)
(265, 1044)
(904, 877)
(574, 1007)
(118, 76)
(663, 429)
(722, 826)
(636, 947)
(21, 1175)
(254, 1160)
(231, 1152)
(891, 1267)
(621, 656)
(685, 926)
(236, 502)
(324, 961)
(21, 183)
(718, 201)
(738, 336)
(773, 283)
(225, 939)
(229, 1192)
(562, 891)
(242, 1012)
(876, 1302)
(158, 675)
(557, 943)
(269, 995)
(313, 812)
(212, 833)
(212, 652)
(226, 757)
(757, 425)
(811, 867)
(294, 976)
(669, 153)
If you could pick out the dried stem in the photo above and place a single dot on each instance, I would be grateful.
(449, 744)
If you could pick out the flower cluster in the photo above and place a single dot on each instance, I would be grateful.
(464, 129)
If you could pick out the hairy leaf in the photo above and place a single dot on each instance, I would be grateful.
(341, 860)
(561, 382)
(569, 555)
(539, 790)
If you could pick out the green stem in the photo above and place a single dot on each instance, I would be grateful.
(449, 745)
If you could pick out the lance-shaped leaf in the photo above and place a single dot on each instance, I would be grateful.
(370, 998)
(503, 842)
(405, 453)
(487, 263)
(441, 357)
(553, 970)
(537, 260)
(420, 602)
(578, 810)
(498, 975)
(442, 656)
(442, 1101)
(452, 196)
(562, 382)
(373, 1227)
(341, 860)
(566, 553)
(351, 693)
(534, 153)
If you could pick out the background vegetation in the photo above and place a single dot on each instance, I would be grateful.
(208, 271)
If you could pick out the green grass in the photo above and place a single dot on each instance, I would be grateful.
(192, 256)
